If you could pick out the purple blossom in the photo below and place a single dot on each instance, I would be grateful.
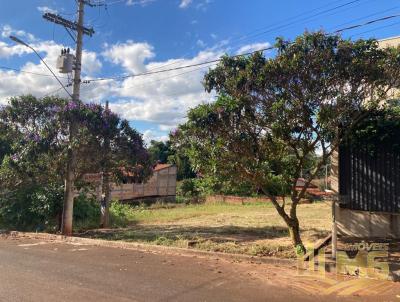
(175, 132)
(15, 157)
(71, 106)
(55, 109)
(92, 106)
(36, 138)
(33, 137)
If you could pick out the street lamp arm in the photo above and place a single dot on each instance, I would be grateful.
(19, 41)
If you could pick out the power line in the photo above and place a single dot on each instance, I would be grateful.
(211, 61)
(364, 17)
(248, 35)
(98, 3)
(29, 72)
(305, 19)
(234, 56)
(366, 23)
(167, 78)
(380, 27)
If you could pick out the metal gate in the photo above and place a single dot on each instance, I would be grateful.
(369, 181)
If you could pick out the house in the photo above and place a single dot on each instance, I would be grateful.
(160, 186)
(368, 206)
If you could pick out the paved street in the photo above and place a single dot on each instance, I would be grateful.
(33, 270)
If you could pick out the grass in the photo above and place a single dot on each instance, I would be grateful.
(253, 229)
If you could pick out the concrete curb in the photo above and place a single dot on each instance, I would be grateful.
(148, 248)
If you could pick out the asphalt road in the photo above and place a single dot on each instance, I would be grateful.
(32, 270)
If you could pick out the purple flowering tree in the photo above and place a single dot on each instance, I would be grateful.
(38, 132)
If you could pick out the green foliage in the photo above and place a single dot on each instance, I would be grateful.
(162, 152)
(86, 212)
(188, 188)
(31, 208)
(379, 129)
(120, 214)
(159, 151)
(272, 115)
(35, 139)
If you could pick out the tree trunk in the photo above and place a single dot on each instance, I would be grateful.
(105, 203)
(68, 208)
(293, 225)
(294, 233)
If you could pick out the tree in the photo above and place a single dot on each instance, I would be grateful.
(159, 151)
(121, 153)
(162, 152)
(273, 114)
(38, 135)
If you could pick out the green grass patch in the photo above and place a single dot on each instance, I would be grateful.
(252, 229)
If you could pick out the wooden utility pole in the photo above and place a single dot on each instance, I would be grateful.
(105, 202)
(78, 26)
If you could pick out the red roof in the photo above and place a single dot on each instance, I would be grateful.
(159, 167)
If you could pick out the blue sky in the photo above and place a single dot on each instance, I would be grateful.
(146, 35)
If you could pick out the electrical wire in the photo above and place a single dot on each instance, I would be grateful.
(366, 23)
(374, 29)
(362, 18)
(210, 61)
(234, 56)
(294, 22)
(248, 35)
(29, 72)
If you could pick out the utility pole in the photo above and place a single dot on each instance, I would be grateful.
(78, 26)
(105, 203)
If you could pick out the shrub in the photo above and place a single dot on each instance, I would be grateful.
(86, 212)
(120, 214)
(31, 208)
(188, 188)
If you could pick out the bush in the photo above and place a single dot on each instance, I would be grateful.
(31, 208)
(196, 187)
(188, 188)
(38, 208)
(86, 212)
(120, 214)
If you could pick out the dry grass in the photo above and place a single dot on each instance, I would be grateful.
(254, 229)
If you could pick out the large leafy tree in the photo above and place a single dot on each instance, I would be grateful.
(273, 114)
(37, 133)
(118, 152)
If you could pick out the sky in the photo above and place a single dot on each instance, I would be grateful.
(140, 36)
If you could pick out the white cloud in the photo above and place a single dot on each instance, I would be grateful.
(201, 43)
(29, 82)
(162, 99)
(139, 2)
(91, 65)
(253, 47)
(150, 135)
(7, 31)
(203, 5)
(130, 55)
(46, 9)
(7, 50)
(185, 3)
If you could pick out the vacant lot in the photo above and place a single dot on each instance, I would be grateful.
(254, 229)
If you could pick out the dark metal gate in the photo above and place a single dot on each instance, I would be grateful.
(369, 181)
